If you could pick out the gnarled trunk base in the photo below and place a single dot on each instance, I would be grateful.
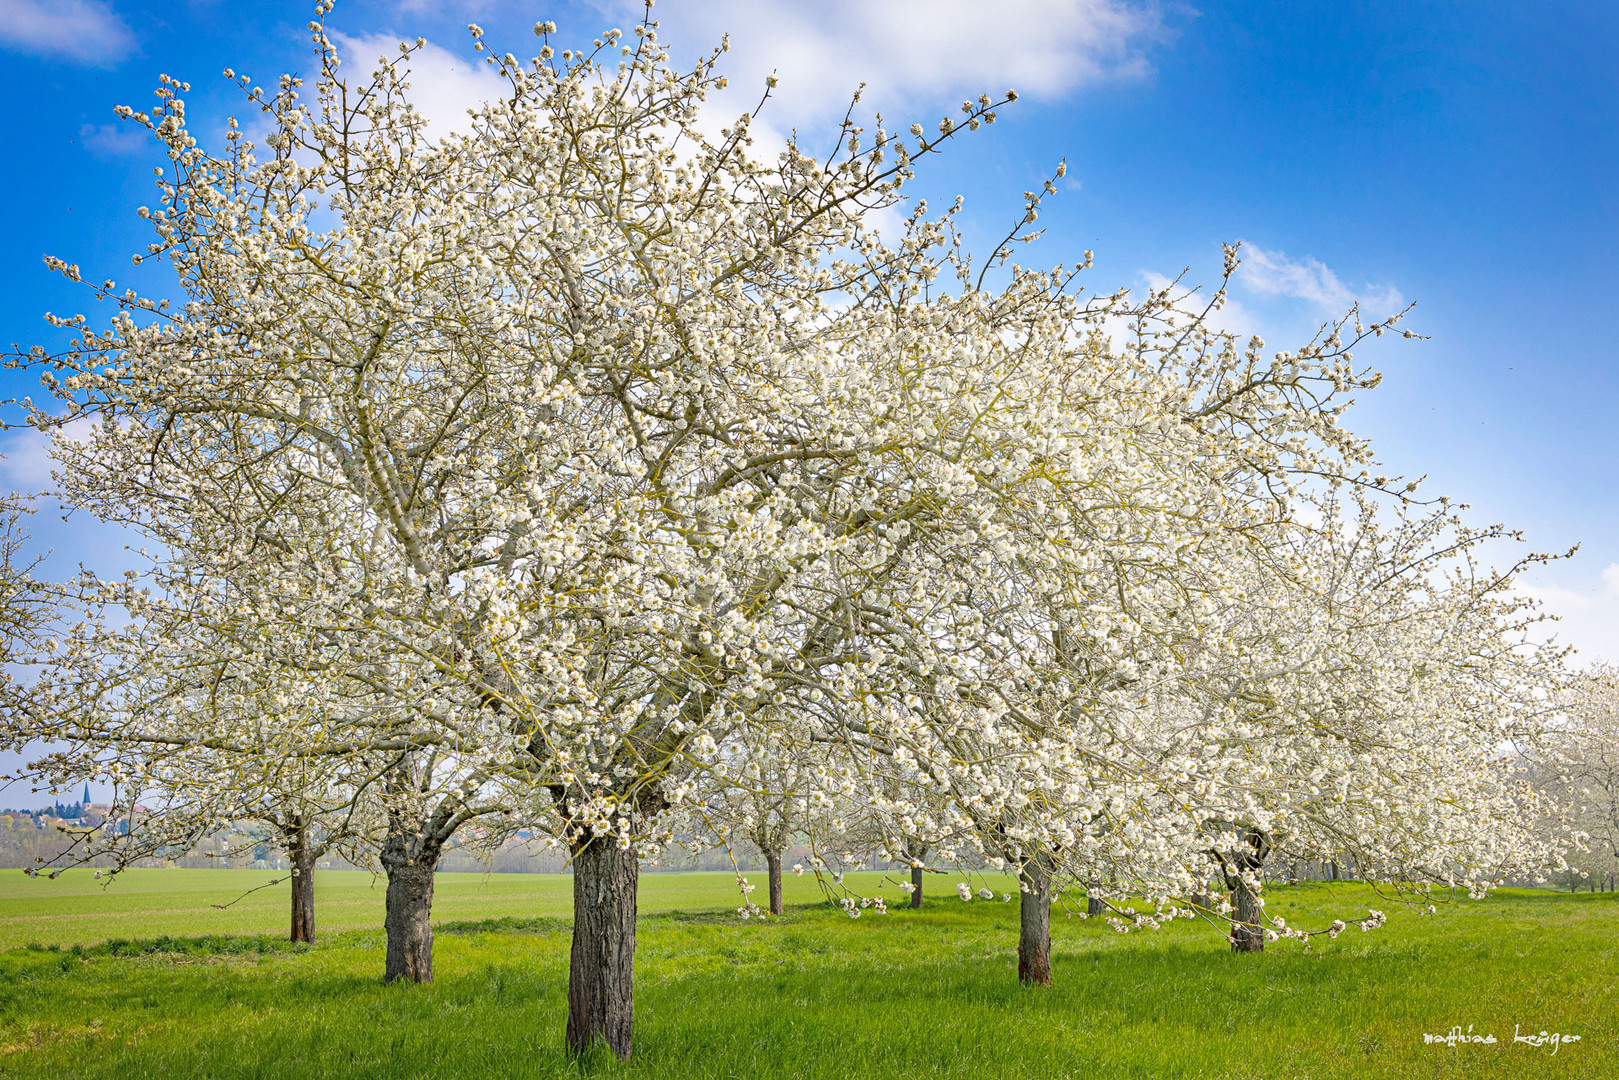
(410, 862)
(1034, 923)
(601, 968)
(916, 885)
(409, 922)
(1247, 934)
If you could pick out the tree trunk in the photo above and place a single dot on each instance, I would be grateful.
(773, 860)
(601, 970)
(302, 856)
(409, 922)
(1247, 935)
(1334, 867)
(915, 852)
(1034, 922)
(1243, 878)
(410, 860)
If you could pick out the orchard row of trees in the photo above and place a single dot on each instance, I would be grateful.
(580, 471)
(1586, 776)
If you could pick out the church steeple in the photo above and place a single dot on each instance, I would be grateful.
(87, 793)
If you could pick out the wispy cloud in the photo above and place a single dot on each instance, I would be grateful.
(1231, 317)
(83, 31)
(1272, 273)
(1588, 613)
(912, 55)
(905, 51)
(113, 140)
(443, 86)
(25, 467)
(914, 52)
(62, 543)
(25, 456)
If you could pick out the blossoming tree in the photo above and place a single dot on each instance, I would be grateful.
(1375, 695)
(584, 441)
(207, 699)
(1586, 780)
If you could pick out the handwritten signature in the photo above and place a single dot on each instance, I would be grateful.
(1457, 1037)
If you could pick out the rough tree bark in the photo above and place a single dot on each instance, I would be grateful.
(601, 969)
(409, 860)
(1247, 931)
(1034, 922)
(1247, 935)
(916, 851)
(773, 861)
(301, 853)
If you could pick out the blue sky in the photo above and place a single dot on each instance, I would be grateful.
(1460, 155)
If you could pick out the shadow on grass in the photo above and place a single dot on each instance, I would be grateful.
(540, 924)
(552, 924)
(207, 945)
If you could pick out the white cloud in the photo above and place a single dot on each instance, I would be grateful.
(443, 86)
(114, 140)
(918, 59)
(1588, 614)
(63, 543)
(903, 50)
(1272, 273)
(910, 53)
(1558, 600)
(1232, 317)
(26, 466)
(913, 55)
(25, 456)
(87, 31)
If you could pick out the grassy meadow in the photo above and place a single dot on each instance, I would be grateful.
(146, 979)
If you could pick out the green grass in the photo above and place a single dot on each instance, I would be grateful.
(77, 909)
(929, 994)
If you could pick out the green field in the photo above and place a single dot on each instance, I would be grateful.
(77, 909)
(928, 994)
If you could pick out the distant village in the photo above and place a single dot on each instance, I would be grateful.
(74, 815)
